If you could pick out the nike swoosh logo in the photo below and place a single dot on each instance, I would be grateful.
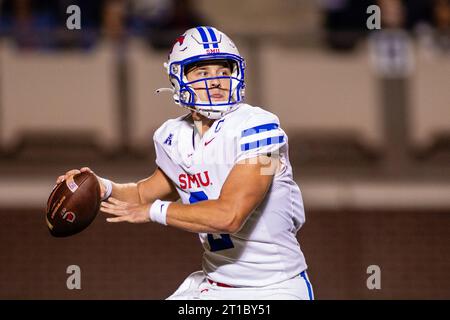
(207, 142)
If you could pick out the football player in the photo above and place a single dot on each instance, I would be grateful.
(228, 163)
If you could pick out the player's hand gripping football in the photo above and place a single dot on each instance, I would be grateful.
(126, 212)
(73, 172)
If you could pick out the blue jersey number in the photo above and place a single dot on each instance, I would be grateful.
(222, 243)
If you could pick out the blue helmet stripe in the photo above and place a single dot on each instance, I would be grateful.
(213, 37)
(204, 37)
(308, 285)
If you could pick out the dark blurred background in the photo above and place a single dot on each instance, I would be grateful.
(367, 113)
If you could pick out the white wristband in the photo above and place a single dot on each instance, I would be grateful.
(158, 211)
(108, 186)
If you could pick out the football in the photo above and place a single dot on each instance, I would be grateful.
(73, 205)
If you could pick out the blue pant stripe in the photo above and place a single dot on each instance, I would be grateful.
(308, 285)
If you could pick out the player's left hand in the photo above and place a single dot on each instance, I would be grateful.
(124, 211)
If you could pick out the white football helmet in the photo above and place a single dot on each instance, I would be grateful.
(199, 45)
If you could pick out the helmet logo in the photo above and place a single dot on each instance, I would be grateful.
(179, 40)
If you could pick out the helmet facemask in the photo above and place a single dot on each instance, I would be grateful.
(187, 95)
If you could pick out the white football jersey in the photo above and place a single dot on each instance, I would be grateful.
(265, 250)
